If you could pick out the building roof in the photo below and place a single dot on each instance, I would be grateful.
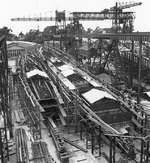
(91, 81)
(67, 72)
(36, 72)
(68, 84)
(65, 67)
(23, 44)
(95, 95)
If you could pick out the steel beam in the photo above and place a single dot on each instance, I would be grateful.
(4, 98)
(135, 36)
(84, 16)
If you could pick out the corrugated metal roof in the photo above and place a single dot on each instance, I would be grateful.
(36, 72)
(64, 67)
(67, 72)
(68, 84)
(94, 83)
(95, 95)
(61, 77)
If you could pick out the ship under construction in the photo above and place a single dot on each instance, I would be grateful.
(78, 97)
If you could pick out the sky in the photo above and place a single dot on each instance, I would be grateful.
(25, 8)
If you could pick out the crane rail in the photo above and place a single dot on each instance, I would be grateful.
(135, 36)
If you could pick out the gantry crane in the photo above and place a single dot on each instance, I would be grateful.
(124, 5)
(114, 13)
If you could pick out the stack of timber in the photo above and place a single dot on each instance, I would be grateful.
(22, 154)
(41, 153)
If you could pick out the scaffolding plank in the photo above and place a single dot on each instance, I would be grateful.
(136, 123)
(52, 122)
(62, 119)
(62, 111)
(60, 100)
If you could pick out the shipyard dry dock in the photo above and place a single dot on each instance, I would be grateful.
(78, 97)
(62, 113)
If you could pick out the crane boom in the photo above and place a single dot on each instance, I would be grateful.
(101, 16)
(38, 19)
(125, 5)
(83, 16)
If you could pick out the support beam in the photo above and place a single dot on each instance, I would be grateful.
(139, 73)
(142, 150)
(100, 140)
(81, 130)
(92, 140)
(147, 152)
(110, 151)
(1, 147)
(75, 145)
(114, 149)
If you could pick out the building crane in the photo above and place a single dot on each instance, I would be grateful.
(125, 5)
(116, 14)
(83, 16)
(117, 9)
(60, 17)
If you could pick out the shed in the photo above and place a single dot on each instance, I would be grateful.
(100, 100)
(36, 72)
